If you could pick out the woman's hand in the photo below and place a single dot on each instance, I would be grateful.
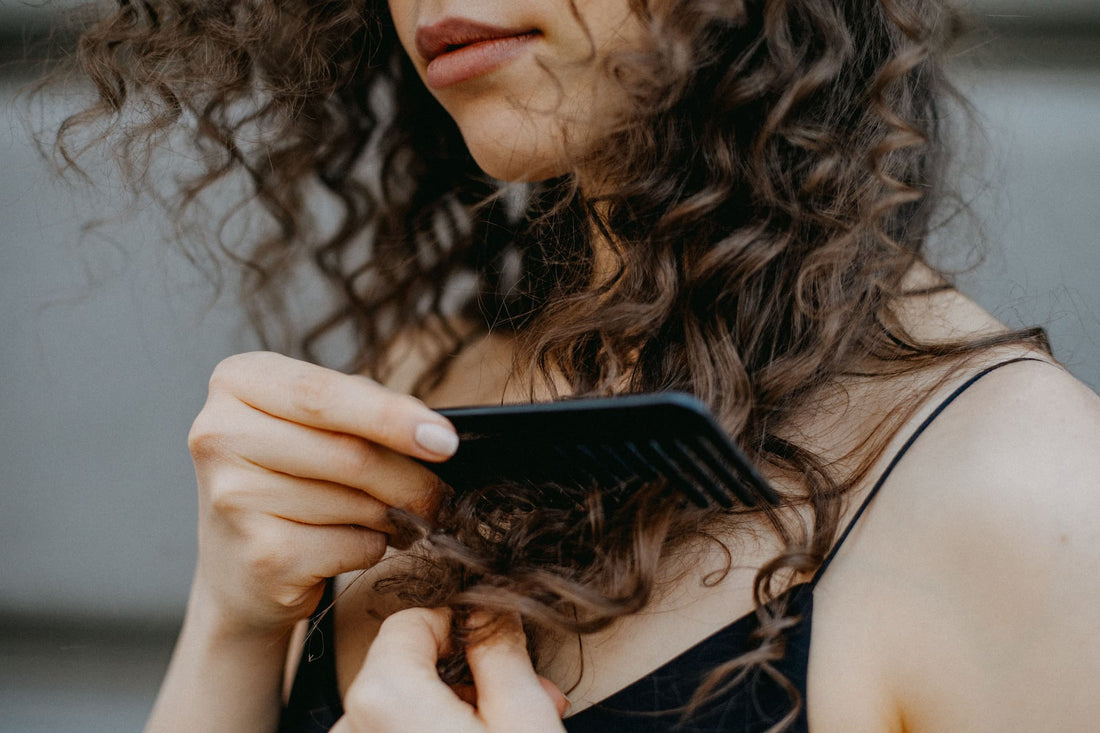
(399, 691)
(297, 466)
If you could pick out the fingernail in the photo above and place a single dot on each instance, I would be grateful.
(436, 439)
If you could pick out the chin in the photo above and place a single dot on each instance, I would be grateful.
(516, 168)
(514, 147)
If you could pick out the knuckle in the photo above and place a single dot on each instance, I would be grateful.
(224, 496)
(423, 505)
(352, 456)
(232, 371)
(371, 547)
(227, 372)
(390, 412)
(265, 556)
(374, 546)
(204, 440)
(293, 599)
(310, 393)
(425, 502)
(216, 431)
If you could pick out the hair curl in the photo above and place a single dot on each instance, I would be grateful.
(773, 179)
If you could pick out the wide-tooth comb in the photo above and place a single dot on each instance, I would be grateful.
(611, 442)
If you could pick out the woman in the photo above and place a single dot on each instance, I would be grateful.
(727, 198)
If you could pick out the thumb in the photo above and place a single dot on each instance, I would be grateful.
(561, 702)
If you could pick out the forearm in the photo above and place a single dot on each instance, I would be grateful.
(220, 679)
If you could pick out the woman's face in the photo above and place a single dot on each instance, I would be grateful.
(523, 79)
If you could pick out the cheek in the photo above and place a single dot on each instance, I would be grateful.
(403, 15)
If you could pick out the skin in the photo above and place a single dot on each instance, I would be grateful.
(523, 120)
(412, 641)
(982, 538)
(966, 599)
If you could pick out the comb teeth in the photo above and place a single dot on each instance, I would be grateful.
(668, 468)
(690, 464)
(616, 463)
(609, 443)
(638, 462)
(696, 469)
(603, 473)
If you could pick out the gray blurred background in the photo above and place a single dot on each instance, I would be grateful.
(108, 338)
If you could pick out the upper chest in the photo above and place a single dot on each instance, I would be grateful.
(847, 678)
(853, 641)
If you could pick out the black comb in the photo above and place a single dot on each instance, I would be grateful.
(610, 441)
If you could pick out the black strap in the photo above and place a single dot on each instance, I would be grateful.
(901, 453)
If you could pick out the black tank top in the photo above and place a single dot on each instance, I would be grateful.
(652, 704)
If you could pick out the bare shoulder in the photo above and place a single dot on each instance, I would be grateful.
(1026, 434)
(1020, 470)
(999, 503)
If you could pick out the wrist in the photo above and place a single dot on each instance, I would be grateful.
(209, 617)
(235, 670)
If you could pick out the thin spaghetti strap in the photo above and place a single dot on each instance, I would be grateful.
(901, 453)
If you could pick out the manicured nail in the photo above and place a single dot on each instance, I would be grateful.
(436, 439)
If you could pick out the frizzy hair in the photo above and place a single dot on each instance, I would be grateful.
(774, 176)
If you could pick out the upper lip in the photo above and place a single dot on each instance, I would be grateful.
(439, 38)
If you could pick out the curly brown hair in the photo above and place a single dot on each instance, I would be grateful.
(773, 178)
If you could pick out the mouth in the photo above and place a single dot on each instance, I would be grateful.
(457, 49)
(452, 34)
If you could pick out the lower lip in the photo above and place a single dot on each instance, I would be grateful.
(474, 60)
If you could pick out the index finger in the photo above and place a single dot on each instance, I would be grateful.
(324, 398)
